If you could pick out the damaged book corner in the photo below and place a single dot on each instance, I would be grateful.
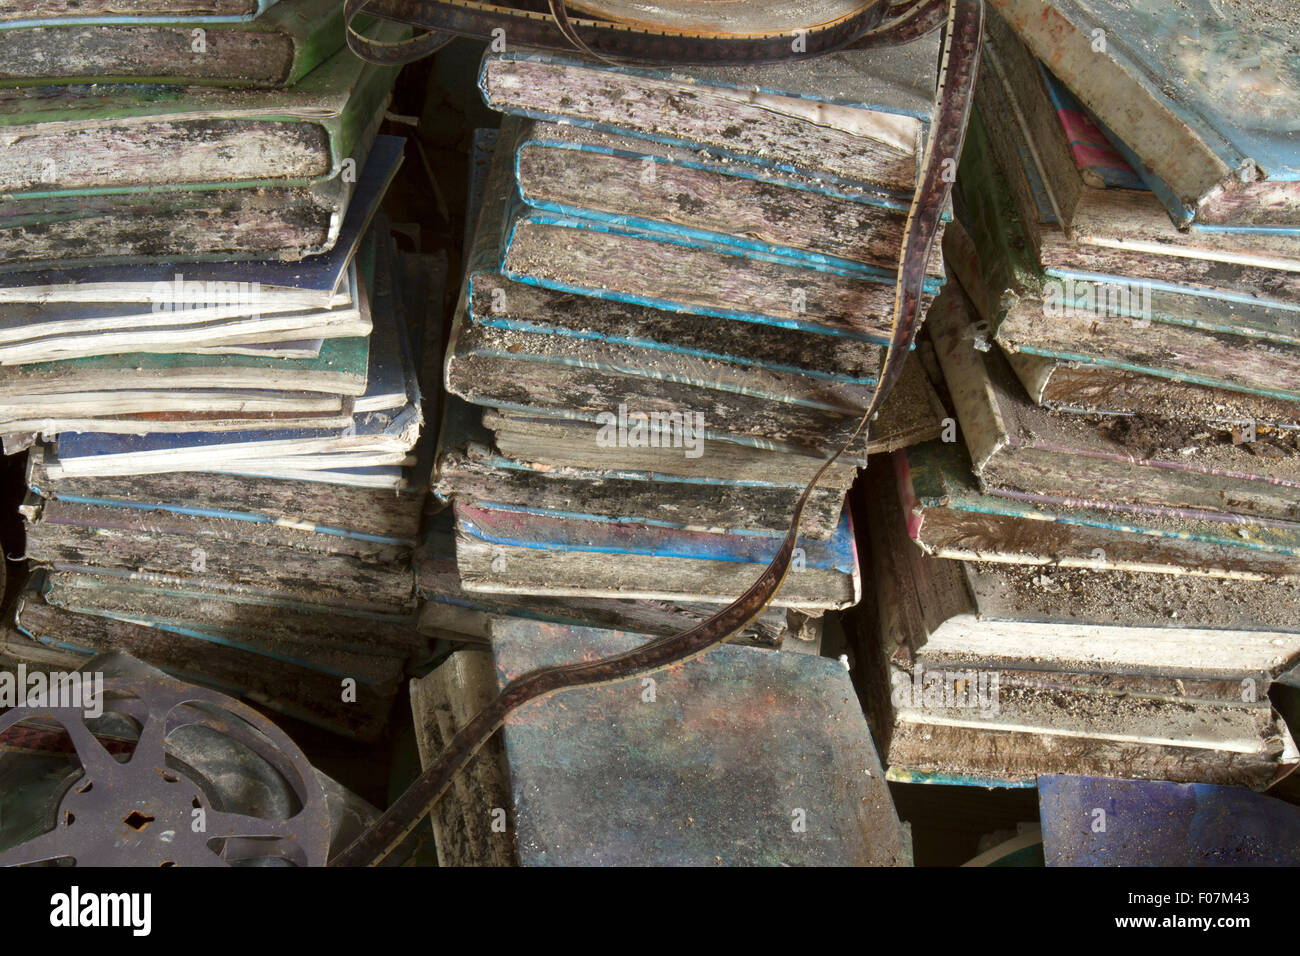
(649, 441)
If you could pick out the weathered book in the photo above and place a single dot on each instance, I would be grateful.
(339, 368)
(1099, 163)
(742, 757)
(71, 11)
(1217, 150)
(392, 375)
(162, 402)
(467, 470)
(302, 630)
(269, 285)
(287, 592)
(286, 686)
(551, 442)
(949, 517)
(28, 432)
(1088, 388)
(68, 140)
(644, 266)
(31, 333)
(62, 519)
(205, 225)
(990, 674)
(1222, 325)
(366, 440)
(278, 48)
(326, 640)
(318, 506)
(1021, 110)
(442, 702)
(856, 117)
(1014, 444)
(243, 221)
(537, 374)
(1200, 824)
(391, 477)
(137, 412)
(275, 347)
(618, 260)
(450, 612)
(780, 363)
(384, 429)
(483, 370)
(500, 551)
(577, 171)
(260, 555)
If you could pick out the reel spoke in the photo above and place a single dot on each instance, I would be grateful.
(98, 762)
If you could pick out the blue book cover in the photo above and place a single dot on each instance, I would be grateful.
(539, 138)
(801, 270)
(554, 531)
(494, 185)
(1202, 93)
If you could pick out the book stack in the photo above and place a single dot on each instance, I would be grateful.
(1108, 566)
(191, 139)
(211, 347)
(675, 309)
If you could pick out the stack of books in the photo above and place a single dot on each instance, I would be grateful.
(1103, 574)
(211, 347)
(676, 304)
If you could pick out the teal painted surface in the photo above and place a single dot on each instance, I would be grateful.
(552, 531)
(743, 757)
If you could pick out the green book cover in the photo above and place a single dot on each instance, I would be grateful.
(88, 140)
(340, 367)
(276, 49)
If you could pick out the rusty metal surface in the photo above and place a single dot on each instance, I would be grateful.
(141, 811)
(652, 41)
(720, 16)
(742, 757)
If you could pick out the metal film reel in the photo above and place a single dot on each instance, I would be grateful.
(154, 808)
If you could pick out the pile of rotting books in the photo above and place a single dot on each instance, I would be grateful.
(674, 311)
(1101, 576)
(210, 345)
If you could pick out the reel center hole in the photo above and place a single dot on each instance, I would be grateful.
(137, 820)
